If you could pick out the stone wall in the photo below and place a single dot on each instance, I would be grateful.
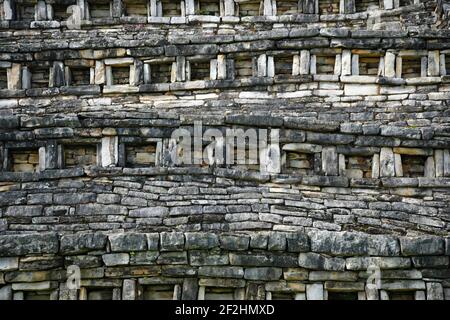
(187, 266)
(359, 179)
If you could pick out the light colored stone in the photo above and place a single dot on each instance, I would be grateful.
(9, 263)
(387, 163)
(314, 291)
(361, 89)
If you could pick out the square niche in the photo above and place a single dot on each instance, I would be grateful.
(23, 160)
(159, 292)
(141, 155)
(79, 155)
(209, 7)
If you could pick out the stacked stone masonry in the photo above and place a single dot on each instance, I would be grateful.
(357, 91)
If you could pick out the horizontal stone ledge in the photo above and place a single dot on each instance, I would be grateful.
(400, 182)
(355, 250)
(44, 175)
(434, 182)
(81, 90)
(378, 86)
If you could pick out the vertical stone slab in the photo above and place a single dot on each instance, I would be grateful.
(109, 76)
(313, 64)
(346, 62)
(268, 8)
(82, 294)
(314, 291)
(14, 76)
(117, 294)
(270, 154)
(398, 165)
(136, 73)
(433, 63)
(181, 68)
(190, 7)
(384, 295)
(9, 10)
(388, 4)
(296, 65)
(439, 162)
(387, 163)
(116, 8)
(270, 67)
(442, 66)
(435, 291)
(423, 66)
(6, 293)
(430, 168)
(51, 155)
(376, 166)
(129, 289)
(341, 165)
(188, 71)
(446, 163)
(230, 69)
(153, 8)
(398, 67)
(147, 73)
(177, 292)
(349, 6)
(380, 72)
(50, 12)
(190, 289)
(305, 60)
(173, 72)
(26, 78)
(40, 13)
(84, 9)
(100, 70)
(213, 69)
(309, 6)
(109, 151)
(229, 7)
(201, 293)
(67, 76)
(57, 79)
(262, 65)
(330, 161)
(338, 65)
(389, 64)
(355, 65)
(221, 67)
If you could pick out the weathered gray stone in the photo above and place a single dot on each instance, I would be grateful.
(363, 263)
(339, 243)
(116, 259)
(18, 245)
(422, 246)
(237, 243)
(310, 260)
(128, 242)
(201, 240)
(172, 241)
(266, 274)
(80, 243)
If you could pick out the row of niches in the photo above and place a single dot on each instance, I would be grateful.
(54, 10)
(172, 291)
(292, 158)
(329, 63)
